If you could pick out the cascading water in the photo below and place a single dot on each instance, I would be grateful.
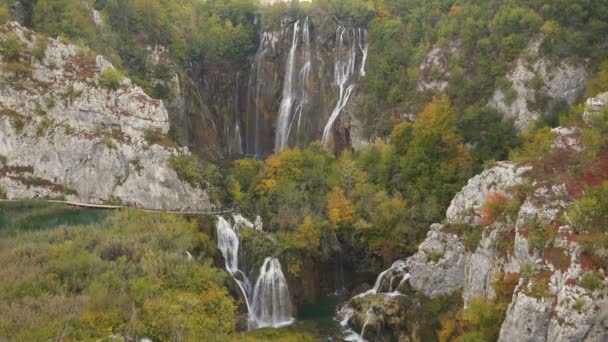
(364, 47)
(267, 41)
(344, 68)
(387, 284)
(237, 127)
(271, 305)
(289, 95)
(304, 72)
(268, 303)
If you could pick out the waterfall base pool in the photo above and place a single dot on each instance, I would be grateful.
(319, 320)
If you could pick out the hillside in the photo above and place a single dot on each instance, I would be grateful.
(387, 170)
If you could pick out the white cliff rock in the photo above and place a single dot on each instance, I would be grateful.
(563, 81)
(438, 266)
(65, 134)
(527, 319)
(466, 206)
(593, 106)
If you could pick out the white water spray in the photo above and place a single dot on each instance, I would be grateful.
(271, 305)
(268, 303)
(289, 94)
(344, 68)
(364, 47)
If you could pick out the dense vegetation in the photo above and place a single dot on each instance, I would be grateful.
(378, 201)
(84, 275)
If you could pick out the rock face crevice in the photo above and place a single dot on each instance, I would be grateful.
(66, 134)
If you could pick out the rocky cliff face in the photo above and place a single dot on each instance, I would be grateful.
(550, 301)
(537, 85)
(66, 134)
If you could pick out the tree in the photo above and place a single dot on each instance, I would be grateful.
(339, 209)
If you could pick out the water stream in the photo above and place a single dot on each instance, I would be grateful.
(269, 302)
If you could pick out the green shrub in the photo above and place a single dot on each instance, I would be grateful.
(155, 136)
(579, 304)
(40, 46)
(44, 126)
(18, 124)
(592, 281)
(12, 47)
(2, 193)
(187, 168)
(111, 78)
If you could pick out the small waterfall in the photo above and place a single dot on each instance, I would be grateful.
(268, 303)
(364, 47)
(228, 243)
(344, 68)
(396, 276)
(271, 303)
(289, 95)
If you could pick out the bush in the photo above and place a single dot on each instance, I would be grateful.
(40, 46)
(493, 207)
(2, 193)
(187, 168)
(592, 281)
(155, 136)
(17, 124)
(12, 47)
(111, 78)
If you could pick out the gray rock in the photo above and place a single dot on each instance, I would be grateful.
(83, 141)
(466, 206)
(527, 320)
(446, 274)
(563, 81)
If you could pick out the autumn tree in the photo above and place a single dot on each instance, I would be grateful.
(339, 209)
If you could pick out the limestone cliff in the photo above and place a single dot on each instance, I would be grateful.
(532, 242)
(66, 133)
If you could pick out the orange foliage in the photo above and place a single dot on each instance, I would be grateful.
(455, 11)
(494, 205)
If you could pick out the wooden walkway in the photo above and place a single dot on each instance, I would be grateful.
(115, 207)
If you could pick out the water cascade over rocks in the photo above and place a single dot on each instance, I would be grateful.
(269, 302)
(271, 305)
(387, 285)
(344, 70)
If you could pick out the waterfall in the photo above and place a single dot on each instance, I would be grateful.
(281, 134)
(364, 47)
(396, 271)
(344, 67)
(237, 128)
(267, 41)
(303, 80)
(387, 285)
(269, 303)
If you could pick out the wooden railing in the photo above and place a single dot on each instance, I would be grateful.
(218, 211)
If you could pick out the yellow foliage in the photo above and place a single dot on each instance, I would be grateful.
(307, 235)
(339, 208)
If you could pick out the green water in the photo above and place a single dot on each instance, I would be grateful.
(318, 318)
(16, 217)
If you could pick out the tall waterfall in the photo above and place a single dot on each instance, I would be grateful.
(364, 47)
(289, 95)
(237, 127)
(304, 72)
(267, 41)
(268, 303)
(271, 305)
(344, 68)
